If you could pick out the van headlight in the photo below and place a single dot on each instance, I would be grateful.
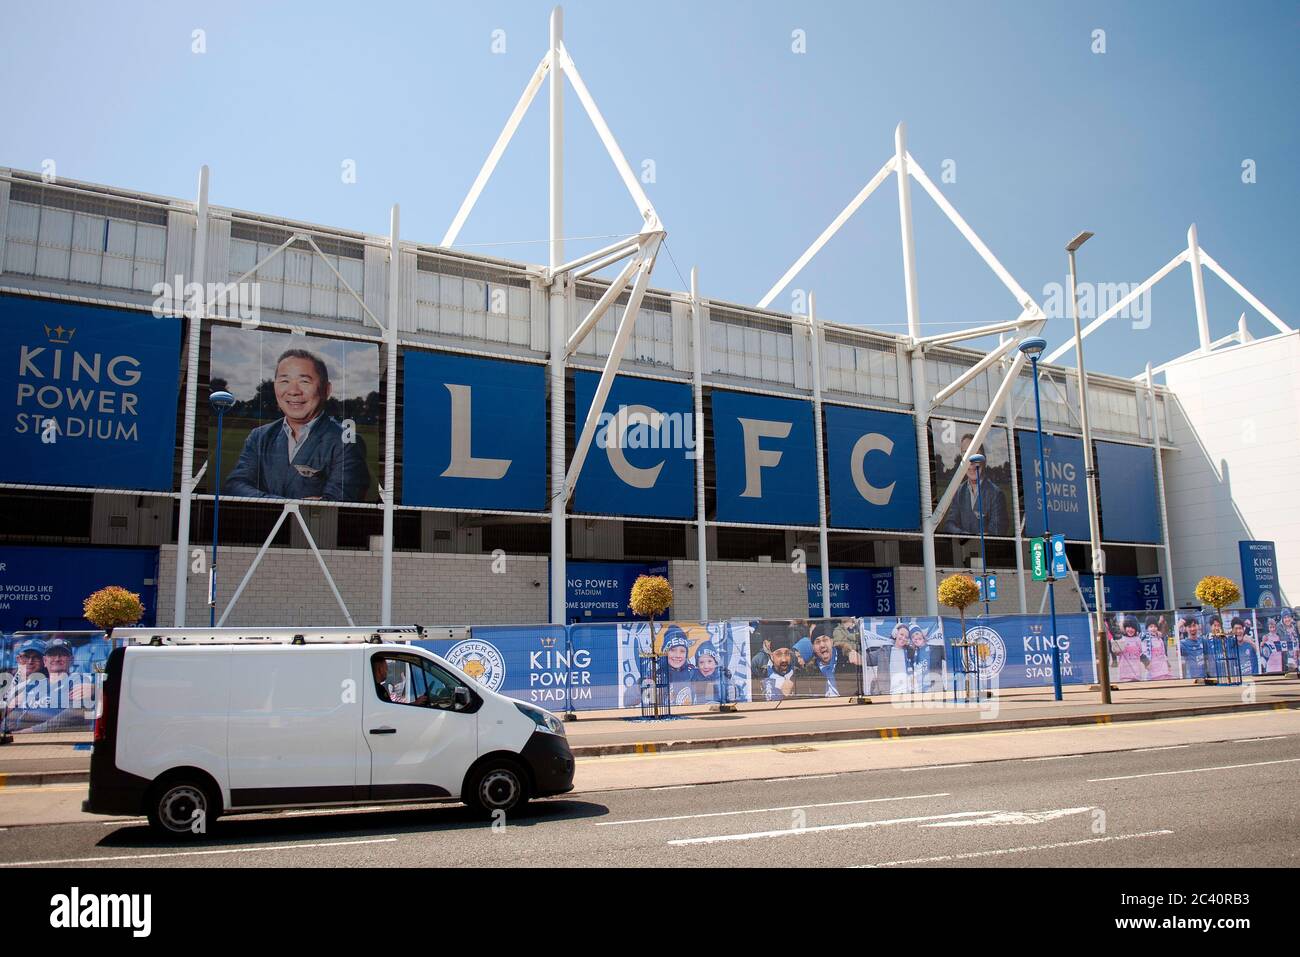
(543, 719)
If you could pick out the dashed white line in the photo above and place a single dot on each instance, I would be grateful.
(1016, 850)
(1167, 747)
(207, 853)
(766, 810)
(1221, 767)
(1276, 737)
(937, 767)
(1053, 757)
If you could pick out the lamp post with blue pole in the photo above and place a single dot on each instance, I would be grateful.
(1033, 347)
(978, 460)
(220, 402)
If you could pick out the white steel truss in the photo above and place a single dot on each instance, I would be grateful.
(640, 249)
(1028, 322)
(1196, 257)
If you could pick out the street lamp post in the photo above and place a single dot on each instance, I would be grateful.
(1033, 347)
(220, 402)
(978, 460)
(1090, 470)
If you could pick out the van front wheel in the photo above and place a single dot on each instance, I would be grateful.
(499, 785)
(182, 808)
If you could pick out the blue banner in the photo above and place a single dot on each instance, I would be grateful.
(855, 592)
(638, 461)
(94, 395)
(537, 664)
(42, 588)
(473, 433)
(1020, 648)
(872, 468)
(1133, 592)
(1130, 510)
(1259, 574)
(600, 591)
(1067, 491)
(700, 663)
(763, 455)
(50, 680)
(904, 656)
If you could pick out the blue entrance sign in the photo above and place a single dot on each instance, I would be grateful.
(600, 591)
(855, 592)
(1259, 574)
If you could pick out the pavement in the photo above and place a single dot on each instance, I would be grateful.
(35, 760)
(1199, 791)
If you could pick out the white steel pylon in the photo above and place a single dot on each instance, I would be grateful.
(639, 248)
(1196, 257)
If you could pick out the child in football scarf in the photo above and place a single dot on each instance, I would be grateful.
(1130, 652)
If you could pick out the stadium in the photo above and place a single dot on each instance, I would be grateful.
(492, 441)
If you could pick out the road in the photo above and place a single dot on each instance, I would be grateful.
(1206, 792)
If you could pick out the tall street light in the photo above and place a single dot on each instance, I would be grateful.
(1090, 469)
(220, 402)
(978, 461)
(1033, 347)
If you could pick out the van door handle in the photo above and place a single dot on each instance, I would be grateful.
(384, 730)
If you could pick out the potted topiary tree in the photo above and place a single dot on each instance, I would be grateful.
(651, 597)
(958, 591)
(1219, 593)
(112, 606)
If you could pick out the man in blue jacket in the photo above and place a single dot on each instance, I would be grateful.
(302, 455)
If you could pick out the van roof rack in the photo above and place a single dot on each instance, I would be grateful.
(269, 636)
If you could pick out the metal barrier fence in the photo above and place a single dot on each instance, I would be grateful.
(49, 681)
(1156, 645)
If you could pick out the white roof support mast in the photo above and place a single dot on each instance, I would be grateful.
(1028, 322)
(639, 248)
(1196, 257)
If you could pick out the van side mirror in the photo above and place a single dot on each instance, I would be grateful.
(461, 697)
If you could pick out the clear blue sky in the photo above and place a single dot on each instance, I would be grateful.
(755, 147)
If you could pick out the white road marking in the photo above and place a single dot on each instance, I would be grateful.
(1221, 767)
(794, 832)
(1016, 850)
(208, 853)
(802, 777)
(1053, 757)
(1167, 747)
(765, 810)
(938, 767)
(1000, 818)
(1276, 737)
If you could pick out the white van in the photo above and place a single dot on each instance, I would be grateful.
(193, 725)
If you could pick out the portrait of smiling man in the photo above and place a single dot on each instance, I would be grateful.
(303, 454)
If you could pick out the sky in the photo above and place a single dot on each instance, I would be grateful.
(760, 121)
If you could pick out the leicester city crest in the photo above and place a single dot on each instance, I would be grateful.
(481, 661)
(990, 648)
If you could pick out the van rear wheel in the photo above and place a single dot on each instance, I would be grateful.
(182, 808)
(499, 785)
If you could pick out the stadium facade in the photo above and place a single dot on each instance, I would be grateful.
(739, 445)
